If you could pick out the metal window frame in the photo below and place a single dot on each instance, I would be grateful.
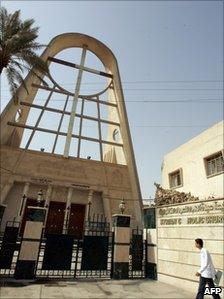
(74, 104)
(171, 174)
(62, 134)
(209, 159)
(76, 96)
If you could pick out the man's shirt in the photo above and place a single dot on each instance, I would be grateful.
(207, 269)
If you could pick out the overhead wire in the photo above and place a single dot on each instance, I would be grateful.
(169, 101)
(147, 89)
(146, 82)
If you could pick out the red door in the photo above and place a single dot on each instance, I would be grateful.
(76, 220)
(29, 202)
(55, 217)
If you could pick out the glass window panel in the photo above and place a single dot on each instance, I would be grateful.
(90, 149)
(57, 101)
(25, 137)
(215, 164)
(90, 128)
(50, 120)
(42, 140)
(73, 147)
(175, 179)
(104, 111)
(60, 145)
(90, 109)
(33, 116)
(104, 131)
(69, 104)
(41, 97)
(64, 124)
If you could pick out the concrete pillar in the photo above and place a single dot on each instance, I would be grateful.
(151, 246)
(48, 195)
(28, 255)
(151, 252)
(121, 228)
(5, 191)
(26, 188)
(2, 210)
(47, 200)
(106, 207)
(23, 202)
(90, 198)
(67, 209)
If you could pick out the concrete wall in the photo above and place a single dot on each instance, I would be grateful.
(177, 228)
(13, 202)
(110, 182)
(190, 158)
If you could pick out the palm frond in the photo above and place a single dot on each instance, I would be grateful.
(12, 83)
(3, 19)
(33, 60)
(27, 68)
(27, 24)
(13, 24)
(17, 49)
(14, 63)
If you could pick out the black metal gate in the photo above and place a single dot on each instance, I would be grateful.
(137, 257)
(10, 245)
(62, 256)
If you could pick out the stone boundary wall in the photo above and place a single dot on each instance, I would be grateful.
(177, 228)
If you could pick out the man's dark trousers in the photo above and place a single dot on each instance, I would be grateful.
(201, 289)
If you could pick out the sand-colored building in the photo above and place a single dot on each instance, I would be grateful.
(197, 165)
(74, 184)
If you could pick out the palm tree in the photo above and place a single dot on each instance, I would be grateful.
(17, 49)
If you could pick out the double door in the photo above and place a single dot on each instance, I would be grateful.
(56, 219)
(76, 220)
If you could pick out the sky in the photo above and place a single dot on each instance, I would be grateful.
(170, 57)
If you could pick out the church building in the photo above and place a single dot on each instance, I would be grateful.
(66, 144)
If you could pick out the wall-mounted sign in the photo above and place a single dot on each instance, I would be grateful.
(201, 207)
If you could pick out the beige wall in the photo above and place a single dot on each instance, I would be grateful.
(13, 203)
(190, 158)
(151, 237)
(110, 182)
(114, 152)
(177, 228)
(97, 204)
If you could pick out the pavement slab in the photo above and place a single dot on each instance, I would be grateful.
(80, 289)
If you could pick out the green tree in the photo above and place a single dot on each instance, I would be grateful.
(17, 49)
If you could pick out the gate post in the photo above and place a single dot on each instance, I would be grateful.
(121, 228)
(151, 245)
(28, 255)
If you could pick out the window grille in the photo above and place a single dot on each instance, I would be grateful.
(214, 164)
(175, 179)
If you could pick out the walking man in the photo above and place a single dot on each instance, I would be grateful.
(206, 272)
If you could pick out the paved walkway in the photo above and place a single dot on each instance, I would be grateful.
(93, 289)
